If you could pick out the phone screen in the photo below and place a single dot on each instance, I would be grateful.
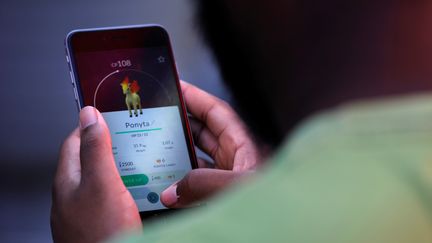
(136, 90)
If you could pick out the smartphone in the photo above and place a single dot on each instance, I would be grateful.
(129, 75)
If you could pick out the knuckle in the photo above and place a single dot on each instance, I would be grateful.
(226, 105)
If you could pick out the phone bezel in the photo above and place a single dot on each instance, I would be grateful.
(134, 36)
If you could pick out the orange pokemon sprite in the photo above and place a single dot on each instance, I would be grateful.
(133, 100)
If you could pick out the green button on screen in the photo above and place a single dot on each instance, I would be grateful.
(135, 180)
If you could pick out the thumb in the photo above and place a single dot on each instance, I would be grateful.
(196, 186)
(97, 161)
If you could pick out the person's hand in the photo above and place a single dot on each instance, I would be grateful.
(220, 133)
(90, 202)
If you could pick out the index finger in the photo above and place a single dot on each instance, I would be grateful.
(215, 113)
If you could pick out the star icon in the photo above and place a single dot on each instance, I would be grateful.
(161, 59)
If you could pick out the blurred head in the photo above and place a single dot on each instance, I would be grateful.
(285, 59)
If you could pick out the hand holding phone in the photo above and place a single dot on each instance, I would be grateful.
(129, 75)
(219, 132)
(90, 199)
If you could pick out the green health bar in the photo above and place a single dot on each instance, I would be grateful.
(144, 130)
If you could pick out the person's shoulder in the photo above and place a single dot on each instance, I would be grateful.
(362, 117)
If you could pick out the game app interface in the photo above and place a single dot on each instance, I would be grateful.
(136, 92)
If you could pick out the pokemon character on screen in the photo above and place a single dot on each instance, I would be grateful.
(130, 90)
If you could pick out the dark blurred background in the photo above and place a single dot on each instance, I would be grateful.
(37, 98)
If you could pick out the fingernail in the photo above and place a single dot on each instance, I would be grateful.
(87, 117)
(169, 196)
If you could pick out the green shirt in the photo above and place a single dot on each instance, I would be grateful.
(358, 173)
